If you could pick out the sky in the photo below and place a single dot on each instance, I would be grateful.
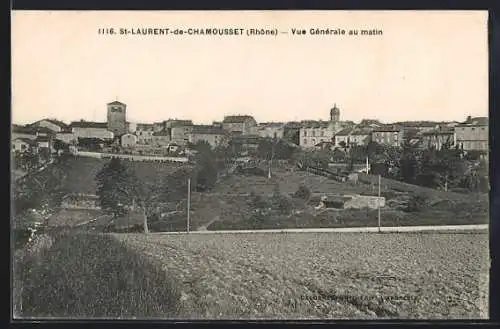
(425, 66)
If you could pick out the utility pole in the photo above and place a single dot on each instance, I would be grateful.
(378, 202)
(188, 202)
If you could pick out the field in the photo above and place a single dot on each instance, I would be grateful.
(417, 276)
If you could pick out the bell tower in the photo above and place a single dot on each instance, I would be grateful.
(117, 117)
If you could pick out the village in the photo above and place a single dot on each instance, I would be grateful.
(173, 136)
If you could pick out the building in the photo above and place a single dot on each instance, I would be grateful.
(128, 140)
(23, 144)
(161, 138)
(45, 142)
(213, 135)
(315, 132)
(272, 130)
(179, 130)
(117, 118)
(86, 129)
(437, 138)
(53, 125)
(240, 124)
(158, 126)
(23, 132)
(66, 137)
(353, 136)
(291, 132)
(389, 136)
(473, 134)
(370, 123)
(144, 133)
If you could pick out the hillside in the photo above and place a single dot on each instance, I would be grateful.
(82, 172)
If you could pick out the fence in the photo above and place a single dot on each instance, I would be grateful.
(131, 157)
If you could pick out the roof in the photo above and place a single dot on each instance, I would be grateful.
(370, 122)
(387, 129)
(88, 124)
(315, 124)
(354, 132)
(53, 121)
(42, 139)
(293, 125)
(179, 123)
(440, 131)
(144, 126)
(417, 123)
(207, 130)
(116, 103)
(23, 130)
(344, 132)
(477, 121)
(26, 140)
(271, 125)
(237, 118)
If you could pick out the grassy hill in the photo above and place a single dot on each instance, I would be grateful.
(82, 172)
(88, 276)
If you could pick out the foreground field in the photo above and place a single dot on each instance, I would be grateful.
(324, 275)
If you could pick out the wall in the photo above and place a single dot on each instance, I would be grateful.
(180, 134)
(308, 137)
(212, 139)
(66, 137)
(93, 133)
(128, 140)
(130, 157)
(472, 137)
(117, 118)
(390, 138)
(357, 201)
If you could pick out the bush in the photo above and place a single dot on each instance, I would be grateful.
(91, 275)
(303, 192)
(281, 204)
(417, 202)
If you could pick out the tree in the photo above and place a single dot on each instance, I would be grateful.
(206, 166)
(115, 188)
(36, 197)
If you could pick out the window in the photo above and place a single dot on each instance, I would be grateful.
(305, 141)
(305, 134)
(313, 133)
(322, 133)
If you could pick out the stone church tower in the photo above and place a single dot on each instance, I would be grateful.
(335, 119)
(117, 118)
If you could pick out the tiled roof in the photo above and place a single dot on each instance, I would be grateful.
(315, 124)
(237, 118)
(179, 123)
(23, 130)
(53, 121)
(477, 121)
(26, 140)
(271, 125)
(440, 131)
(207, 130)
(387, 129)
(88, 124)
(344, 132)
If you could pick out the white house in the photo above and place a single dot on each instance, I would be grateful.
(128, 140)
(23, 144)
(85, 129)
